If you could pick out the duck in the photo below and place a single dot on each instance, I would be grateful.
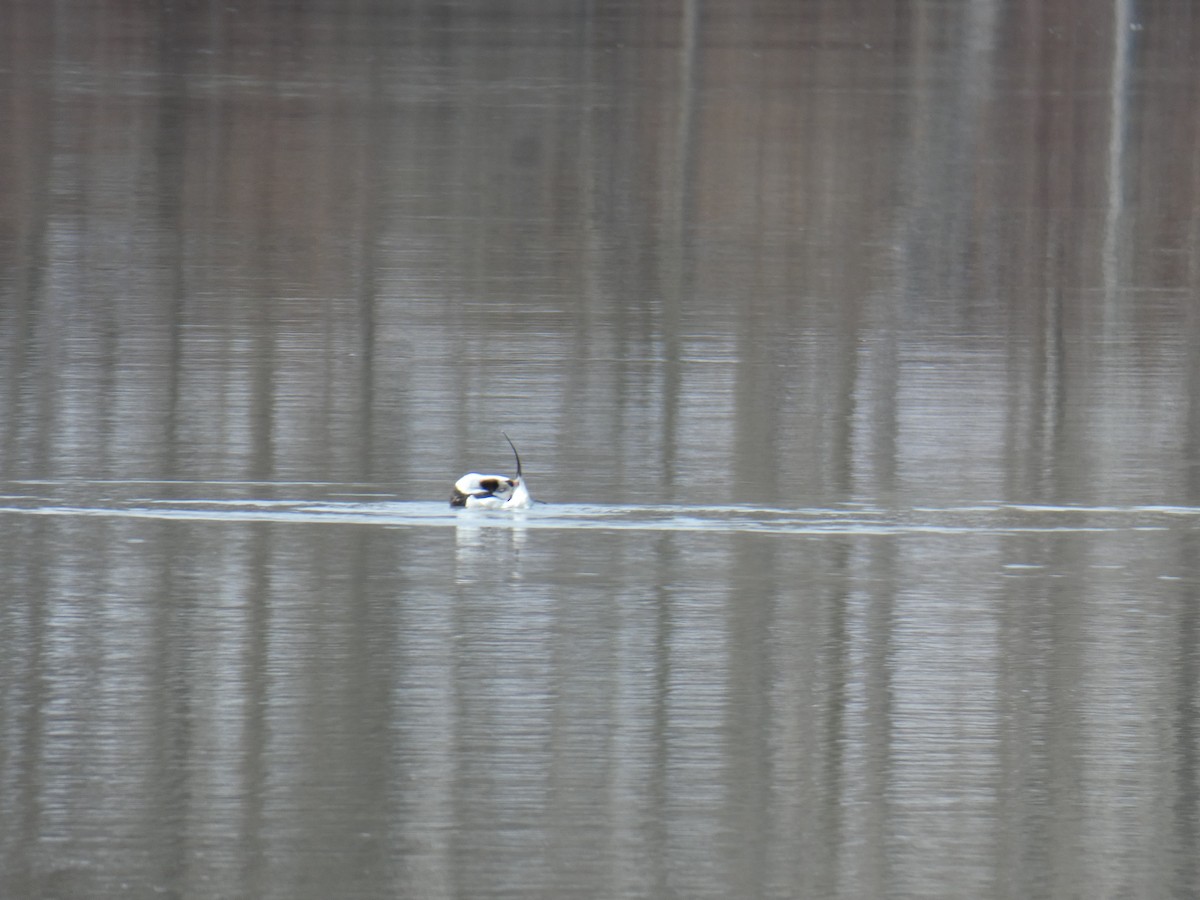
(476, 491)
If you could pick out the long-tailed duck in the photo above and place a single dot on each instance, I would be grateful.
(475, 491)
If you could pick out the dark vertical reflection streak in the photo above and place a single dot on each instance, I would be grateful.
(1115, 253)
(665, 557)
(1186, 715)
(833, 769)
(369, 681)
(883, 569)
(262, 396)
(1066, 743)
(1185, 730)
(595, 116)
(751, 619)
(170, 157)
(23, 758)
(173, 712)
(678, 260)
(378, 149)
(253, 824)
(34, 130)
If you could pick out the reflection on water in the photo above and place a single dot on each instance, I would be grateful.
(741, 256)
(856, 350)
(277, 707)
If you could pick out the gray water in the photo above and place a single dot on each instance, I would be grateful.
(853, 350)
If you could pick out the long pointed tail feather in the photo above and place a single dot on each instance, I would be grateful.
(515, 454)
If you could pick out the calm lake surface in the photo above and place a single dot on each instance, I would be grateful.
(854, 350)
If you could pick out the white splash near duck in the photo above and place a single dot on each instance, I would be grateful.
(476, 491)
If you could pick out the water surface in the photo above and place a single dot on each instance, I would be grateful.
(855, 352)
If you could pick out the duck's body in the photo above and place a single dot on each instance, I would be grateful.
(475, 491)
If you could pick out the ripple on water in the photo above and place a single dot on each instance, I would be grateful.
(986, 518)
